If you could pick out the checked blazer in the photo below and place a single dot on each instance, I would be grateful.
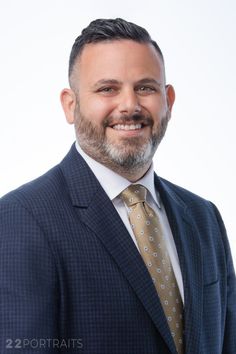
(70, 270)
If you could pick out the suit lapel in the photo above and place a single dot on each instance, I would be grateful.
(188, 246)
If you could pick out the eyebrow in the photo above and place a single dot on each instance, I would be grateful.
(148, 80)
(144, 81)
(107, 82)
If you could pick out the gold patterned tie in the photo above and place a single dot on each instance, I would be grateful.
(147, 230)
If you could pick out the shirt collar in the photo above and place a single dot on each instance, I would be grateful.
(113, 184)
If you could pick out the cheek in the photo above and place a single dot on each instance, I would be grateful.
(158, 110)
(96, 109)
(154, 104)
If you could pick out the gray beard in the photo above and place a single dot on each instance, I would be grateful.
(121, 157)
(133, 160)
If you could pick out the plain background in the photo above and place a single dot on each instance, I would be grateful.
(198, 41)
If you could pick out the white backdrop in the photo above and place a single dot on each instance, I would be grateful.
(198, 41)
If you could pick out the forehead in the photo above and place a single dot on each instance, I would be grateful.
(121, 60)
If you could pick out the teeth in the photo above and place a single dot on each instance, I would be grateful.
(127, 127)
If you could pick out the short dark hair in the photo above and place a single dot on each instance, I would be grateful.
(108, 30)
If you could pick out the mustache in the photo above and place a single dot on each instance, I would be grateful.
(134, 118)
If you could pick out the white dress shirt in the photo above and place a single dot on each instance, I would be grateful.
(113, 184)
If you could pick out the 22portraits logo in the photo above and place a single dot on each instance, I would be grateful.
(44, 343)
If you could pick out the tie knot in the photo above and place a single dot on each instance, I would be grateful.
(135, 193)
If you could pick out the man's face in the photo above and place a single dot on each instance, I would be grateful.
(122, 105)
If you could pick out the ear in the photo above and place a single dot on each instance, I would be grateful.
(170, 96)
(68, 101)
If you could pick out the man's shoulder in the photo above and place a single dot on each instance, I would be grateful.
(45, 189)
(38, 191)
(183, 195)
(193, 205)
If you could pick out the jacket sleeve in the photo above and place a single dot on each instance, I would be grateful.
(28, 283)
(229, 340)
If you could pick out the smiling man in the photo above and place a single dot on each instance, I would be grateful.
(100, 255)
(121, 105)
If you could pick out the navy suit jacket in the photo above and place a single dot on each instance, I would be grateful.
(69, 271)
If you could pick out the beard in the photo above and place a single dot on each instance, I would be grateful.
(129, 153)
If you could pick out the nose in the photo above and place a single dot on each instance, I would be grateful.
(128, 102)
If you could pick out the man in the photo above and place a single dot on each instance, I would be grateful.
(100, 255)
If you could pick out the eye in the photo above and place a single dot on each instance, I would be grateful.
(107, 90)
(146, 89)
